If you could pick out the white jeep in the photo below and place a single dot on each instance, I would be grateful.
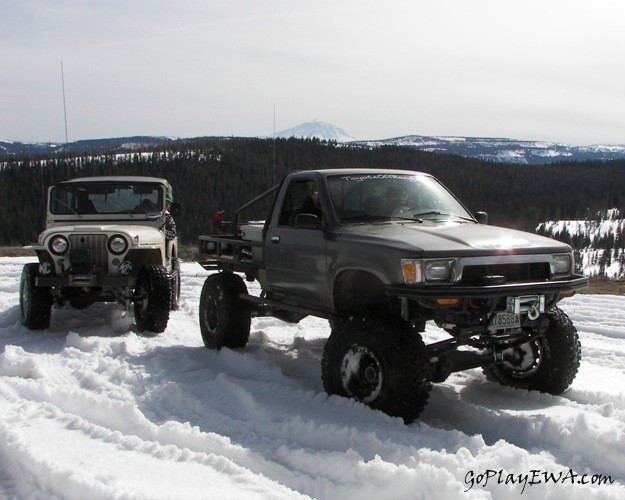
(107, 239)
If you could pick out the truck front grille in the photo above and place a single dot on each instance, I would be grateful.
(88, 251)
(512, 273)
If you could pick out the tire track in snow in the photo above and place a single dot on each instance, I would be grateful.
(266, 444)
(8, 489)
(168, 402)
(143, 447)
(584, 436)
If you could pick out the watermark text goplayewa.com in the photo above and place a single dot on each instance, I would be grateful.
(532, 478)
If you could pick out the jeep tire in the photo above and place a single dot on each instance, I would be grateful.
(152, 298)
(379, 360)
(547, 364)
(35, 302)
(225, 318)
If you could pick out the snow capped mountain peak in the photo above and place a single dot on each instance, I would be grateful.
(317, 129)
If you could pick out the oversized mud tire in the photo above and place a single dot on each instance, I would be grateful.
(35, 302)
(174, 277)
(548, 364)
(225, 318)
(152, 298)
(379, 360)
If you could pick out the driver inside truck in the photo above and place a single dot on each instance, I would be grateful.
(311, 204)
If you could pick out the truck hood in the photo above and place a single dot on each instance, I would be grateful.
(438, 238)
(138, 235)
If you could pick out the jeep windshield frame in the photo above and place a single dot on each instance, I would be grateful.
(107, 198)
(382, 197)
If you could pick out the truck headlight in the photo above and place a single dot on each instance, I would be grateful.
(561, 263)
(117, 244)
(420, 271)
(59, 245)
(438, 270)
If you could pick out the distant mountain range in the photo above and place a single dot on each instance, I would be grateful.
(89, 146)
(504, 150)
(490, 149)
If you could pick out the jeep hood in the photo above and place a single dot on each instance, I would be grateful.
(442, 238)
(137, 235)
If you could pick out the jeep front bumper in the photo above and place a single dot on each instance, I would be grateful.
(85, 280)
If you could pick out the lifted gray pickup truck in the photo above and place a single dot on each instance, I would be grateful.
(379, 253)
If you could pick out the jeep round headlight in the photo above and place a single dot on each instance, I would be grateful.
(117, 244)
(59, 245)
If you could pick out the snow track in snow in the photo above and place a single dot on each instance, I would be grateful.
(91, 409)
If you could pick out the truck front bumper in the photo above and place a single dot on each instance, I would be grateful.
(434, 291)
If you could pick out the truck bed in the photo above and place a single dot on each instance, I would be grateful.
(241, 252)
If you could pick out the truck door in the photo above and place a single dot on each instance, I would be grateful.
(295, 255)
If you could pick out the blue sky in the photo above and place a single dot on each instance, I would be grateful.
(549, 70)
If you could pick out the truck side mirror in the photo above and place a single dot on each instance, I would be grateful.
(307, 221)
(481, 217)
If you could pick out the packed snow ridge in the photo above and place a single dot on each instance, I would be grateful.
(92, 409)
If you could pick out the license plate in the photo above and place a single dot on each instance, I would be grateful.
(503, 320)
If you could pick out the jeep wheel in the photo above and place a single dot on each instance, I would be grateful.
(379, 360)
(225, 318)
(152, 298)
(35, 302)
(547, 364)
(175, 284)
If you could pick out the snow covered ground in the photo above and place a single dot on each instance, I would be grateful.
(91, 409)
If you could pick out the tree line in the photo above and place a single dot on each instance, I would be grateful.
(212, 174)
(599, 242)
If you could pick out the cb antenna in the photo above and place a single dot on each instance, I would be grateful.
(64, 108)
(274, 145)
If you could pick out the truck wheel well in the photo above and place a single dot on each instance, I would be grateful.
(353, 290)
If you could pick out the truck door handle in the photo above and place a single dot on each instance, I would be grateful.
(275, 239)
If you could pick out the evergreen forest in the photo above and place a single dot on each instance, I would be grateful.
(212, 174)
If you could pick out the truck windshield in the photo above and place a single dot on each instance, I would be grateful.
(379, 197)
(105, 198)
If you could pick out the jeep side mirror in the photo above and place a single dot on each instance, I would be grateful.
(307, 221)
(481, 217)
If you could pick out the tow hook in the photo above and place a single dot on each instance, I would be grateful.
(534, 311)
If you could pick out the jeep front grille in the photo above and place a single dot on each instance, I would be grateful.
(88, 251)
(513, 273)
